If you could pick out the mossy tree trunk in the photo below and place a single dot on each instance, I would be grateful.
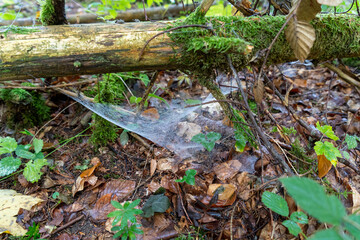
(102, 48)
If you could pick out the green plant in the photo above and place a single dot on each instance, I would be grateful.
(208, 140)
(278, 204)
(327, 148)
(126, 216)
(14, 152)
(189, 177)
(31, 234)
(84, 166)
(311, 197)
(109, 8)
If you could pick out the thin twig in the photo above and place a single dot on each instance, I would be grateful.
(266, 142)
(53, 86)
(64, 226)
(170, 30)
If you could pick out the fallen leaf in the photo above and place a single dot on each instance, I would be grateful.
(324, 165)
(10, 203)
(151, 113)
(153, 165)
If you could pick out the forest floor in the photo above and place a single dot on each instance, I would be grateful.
(85, 179)
(81, 180)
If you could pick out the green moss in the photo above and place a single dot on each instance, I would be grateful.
(18, 30)
(201, 52)
(24, 108)
(47, 12)
(108, 91)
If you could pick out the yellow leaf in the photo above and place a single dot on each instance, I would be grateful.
(10, 203)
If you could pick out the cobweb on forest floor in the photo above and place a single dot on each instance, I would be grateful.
(166, 130)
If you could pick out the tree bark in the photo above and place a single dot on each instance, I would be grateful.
(102, 48)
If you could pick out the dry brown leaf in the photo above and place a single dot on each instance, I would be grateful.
(332, 3)
(229, 190)
(153, 164)
(151, 113)
(307, 10)
(227, 169)
(258, 91)
(324, 165)
(301, 37)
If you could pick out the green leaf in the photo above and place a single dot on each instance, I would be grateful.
(192, 102)
(346, 155)
(117, 205)
(299, 217)
(38, 145)
(9, 165)
(189, 177)
(292, 226)
(156, 203)
(241, 141)
(124, 137)
(151, 95)
(7, 145)
(351, 141)
(327, 148)
(311, 197)
(23, 153)
(207, 141)
(352, 228)
(276, 203)
(32, 171)
(328, 234)
(144, 78)
(327, 131)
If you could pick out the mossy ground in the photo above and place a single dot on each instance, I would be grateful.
(109, 91)
(24, 108)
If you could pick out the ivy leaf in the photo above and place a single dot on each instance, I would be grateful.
(328, 150)
(299, 217)
(208, 141)
(38, 145)
(351, 141)
(32, 171)
(9, 165)
(311, 197)
(189, 177)
(156, 203)
(292, 226)
(7, 145)
(327, 131)
(276, 203)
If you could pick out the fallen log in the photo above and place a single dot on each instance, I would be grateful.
(102, 48)
(155, 13)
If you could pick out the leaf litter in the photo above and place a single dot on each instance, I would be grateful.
(225, 199)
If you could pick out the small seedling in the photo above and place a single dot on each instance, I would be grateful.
(311, 197)
(127, 218)
(15, 152)
(189, 177)
(208, 140)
